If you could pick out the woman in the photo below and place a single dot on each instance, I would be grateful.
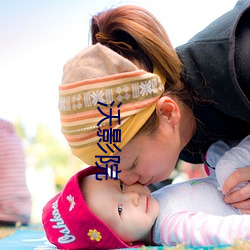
(206, 93)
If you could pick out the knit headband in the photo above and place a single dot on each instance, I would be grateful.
(103, 95)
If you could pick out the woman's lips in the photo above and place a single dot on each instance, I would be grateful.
(148, 182)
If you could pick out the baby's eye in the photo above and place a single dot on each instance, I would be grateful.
(120, 206)
(121, 186)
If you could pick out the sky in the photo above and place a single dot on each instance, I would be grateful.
(38, 37)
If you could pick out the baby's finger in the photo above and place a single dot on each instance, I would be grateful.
(245, 211)
(237, 177)
(244, 206)
(240, 195)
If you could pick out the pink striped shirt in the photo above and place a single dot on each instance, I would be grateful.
(202, 229)
(15, 200)
(194, 212)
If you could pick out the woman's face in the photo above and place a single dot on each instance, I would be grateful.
(150, 159)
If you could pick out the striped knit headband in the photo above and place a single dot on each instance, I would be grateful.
(95, 83)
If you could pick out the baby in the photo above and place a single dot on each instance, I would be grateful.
(70, 224)
(93, 214)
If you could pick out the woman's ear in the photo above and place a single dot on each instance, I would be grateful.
(168, 109)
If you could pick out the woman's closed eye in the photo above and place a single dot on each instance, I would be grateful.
(121, 186)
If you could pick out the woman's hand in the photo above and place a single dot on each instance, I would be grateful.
(240, 198)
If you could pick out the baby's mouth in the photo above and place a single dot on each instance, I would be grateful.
(147, 203)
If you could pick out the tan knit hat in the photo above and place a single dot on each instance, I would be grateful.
(98, 74)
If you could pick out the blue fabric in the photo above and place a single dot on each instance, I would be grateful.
(33, 238)
(26, 238)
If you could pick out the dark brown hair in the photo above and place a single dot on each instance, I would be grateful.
(136, 34)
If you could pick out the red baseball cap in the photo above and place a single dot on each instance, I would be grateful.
(69, 223)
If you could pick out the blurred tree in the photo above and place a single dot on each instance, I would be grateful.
(20, 130)
(45, 150)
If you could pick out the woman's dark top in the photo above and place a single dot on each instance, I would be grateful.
(217, 67)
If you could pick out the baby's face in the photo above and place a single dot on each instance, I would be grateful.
(130, 211)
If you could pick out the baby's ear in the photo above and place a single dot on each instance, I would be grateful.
(168, 109)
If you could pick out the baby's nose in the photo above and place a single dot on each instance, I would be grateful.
(133, 197)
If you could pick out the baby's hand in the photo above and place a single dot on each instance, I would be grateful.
(240, 198)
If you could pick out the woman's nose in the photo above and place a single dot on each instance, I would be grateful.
(128, 178)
